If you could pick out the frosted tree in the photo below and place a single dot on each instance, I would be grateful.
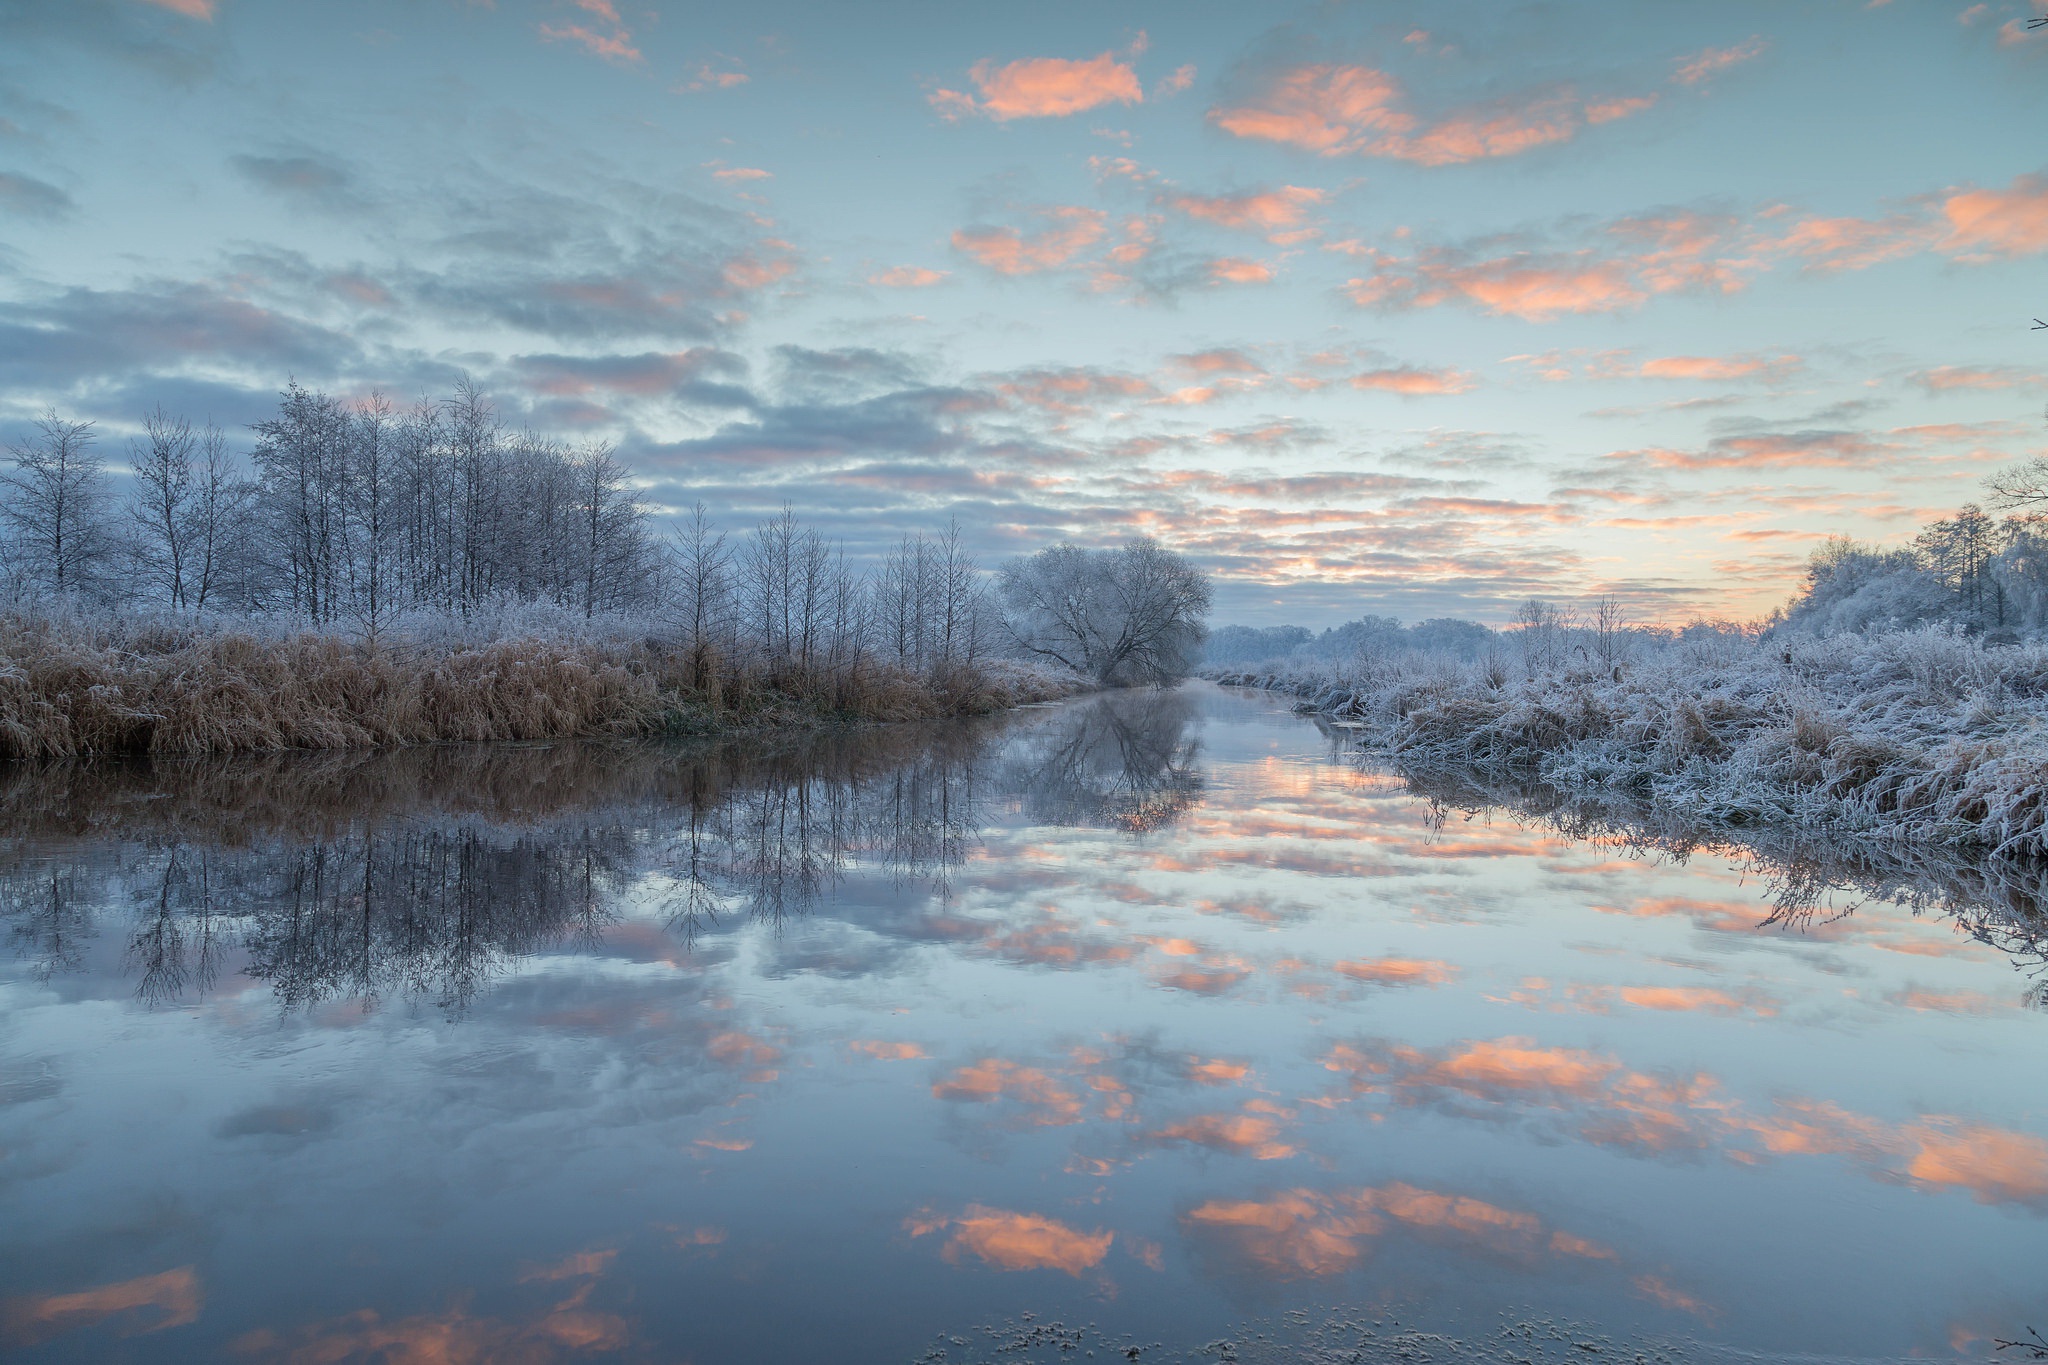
(1129, 616)
(56, 505)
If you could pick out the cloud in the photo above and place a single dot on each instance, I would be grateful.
(1716, 367)
(689, 376)
(191, 9)
(1042, 87)
(175, 1296)
(1015, 1241)
(1264, 211)
(1045, 1101)
(1396, 971)
(1963, 378)
(1705, 65)
(304, 175)
(1252, 1135)
(1068, 232)
(1337, 110)
(1302, 1233)
(722, 172)
(709, 77)
(1413, 381)
(907, 277)
(1983, 224)
(1238, 270)
(32, 198)
(1181, 78)
(610, 40)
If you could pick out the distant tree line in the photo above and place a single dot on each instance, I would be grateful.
(1986, 574)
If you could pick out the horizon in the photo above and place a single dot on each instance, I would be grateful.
(1416, 312)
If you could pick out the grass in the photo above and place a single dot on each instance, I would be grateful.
(1922, 736)
(74, 687)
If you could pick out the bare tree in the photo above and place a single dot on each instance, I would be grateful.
(1132, 615)
(160, 505)
(56, 506)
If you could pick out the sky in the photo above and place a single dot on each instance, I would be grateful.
(1414, 309)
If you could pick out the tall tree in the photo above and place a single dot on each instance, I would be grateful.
(56, 505)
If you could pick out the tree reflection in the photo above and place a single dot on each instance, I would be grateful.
(1813, 875)
(425, 874)
(1122, 760)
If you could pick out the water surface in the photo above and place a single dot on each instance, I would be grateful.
(1145, 1022)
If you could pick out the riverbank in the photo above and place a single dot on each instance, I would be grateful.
(1912, 736)
(78, 688)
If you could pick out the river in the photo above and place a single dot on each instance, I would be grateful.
(1148, 1023)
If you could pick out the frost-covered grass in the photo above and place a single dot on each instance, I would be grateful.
(1921, 736)
(74, 685)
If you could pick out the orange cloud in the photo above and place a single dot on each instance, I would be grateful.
(907, 277)
(995, 1078)
(582, 1265)
(191, 9)
(176, 1296)
(1181, 79)
(1713, 367)
(1955, 378)
(1397, 971)
(1070, 230)
(1237, 270)
(615, 45)
(1702, 66)
(1253, 211)
(567, 1329)
(1413, 382)
(1015, 1241)
(888, 1052)
(1239, 1134)
(741, 173)
(1337, 110)
(1986, 223)
(1042, 87)
(1308, 1233)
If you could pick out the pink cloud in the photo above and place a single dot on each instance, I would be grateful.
(1042, 87)
(1703, 66)
(1237, 270)
(907, 277)
(709, 77)
(191, 9)
(1181, 79)
(1715, 367)
(1069, 232)
(1959, 378)
(1413, 382)
(1528, 286)
(740, 173)
(1337, 110)
(616, 46)
(1268, 211)
(1987, 223)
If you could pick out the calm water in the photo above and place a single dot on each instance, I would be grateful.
(1148, 1017)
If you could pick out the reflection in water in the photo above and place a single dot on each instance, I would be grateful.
(1124, 761)
(425, 873)
(1146, 1011)
(2000, 902)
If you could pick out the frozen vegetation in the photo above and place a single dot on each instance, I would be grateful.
(1901, 698)
(370, 576)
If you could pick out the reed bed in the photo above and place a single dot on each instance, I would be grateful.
(74, 687)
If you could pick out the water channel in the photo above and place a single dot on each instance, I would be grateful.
(1148, 1023)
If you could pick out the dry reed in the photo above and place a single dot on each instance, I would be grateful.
(72, 688)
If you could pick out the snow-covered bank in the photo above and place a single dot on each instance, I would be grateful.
(1921, 736)
(86, 685)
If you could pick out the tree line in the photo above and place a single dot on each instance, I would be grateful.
(354, 515)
